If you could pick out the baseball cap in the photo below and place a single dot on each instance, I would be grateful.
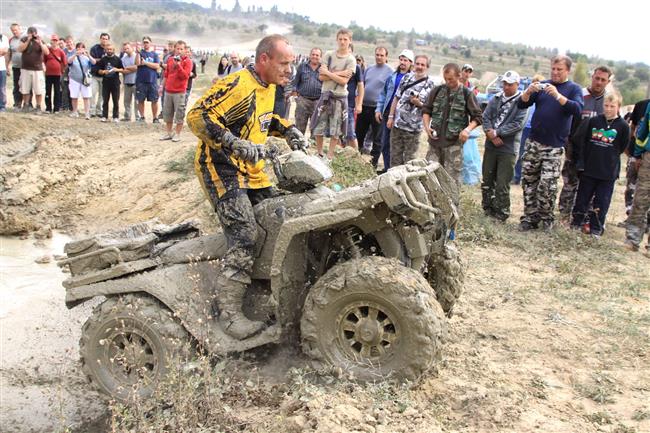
(510, 77)
(408, 54)
(468, 67)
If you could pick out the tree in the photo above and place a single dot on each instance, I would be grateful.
(62, 29)
(125, 32)
(536, 66)
(445, 50)
(490, 58)
(394, 40)
(580, 75)
(324, 31)
(262, 28)
(521, 61)
(621, 73)
(302, 29)
(642, 74)
(193, 28)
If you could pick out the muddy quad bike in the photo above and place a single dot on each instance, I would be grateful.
(364, 276)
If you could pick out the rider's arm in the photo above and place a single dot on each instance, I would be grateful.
(205, 119)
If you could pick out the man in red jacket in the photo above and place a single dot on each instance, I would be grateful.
(177, 72)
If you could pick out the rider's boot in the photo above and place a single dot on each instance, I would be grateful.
(230, 296)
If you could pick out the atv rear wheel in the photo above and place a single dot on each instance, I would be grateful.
(375, 318)
(129, 344)
(446, 275)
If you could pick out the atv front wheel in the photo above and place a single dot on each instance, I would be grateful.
(446, 275)
(375, 318)
(129, 344)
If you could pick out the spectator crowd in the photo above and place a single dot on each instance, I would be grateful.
(534, 135)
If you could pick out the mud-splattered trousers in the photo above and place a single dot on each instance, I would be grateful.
(235, 212)
(450, 157)
(540, 167)
(569, 190)
(636, 222)
(403, 146)
(631, 174)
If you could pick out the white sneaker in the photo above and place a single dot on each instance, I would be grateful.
(87, 116)
(166, 136)
(104, 119)
(116, 120)
(74, 115)
(176, 138)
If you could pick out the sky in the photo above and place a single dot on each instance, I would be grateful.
(602, 28)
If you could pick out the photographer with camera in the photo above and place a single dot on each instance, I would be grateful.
(176, 75)
(557, 101)
(405, 117)
(79, 64)
(32, 77)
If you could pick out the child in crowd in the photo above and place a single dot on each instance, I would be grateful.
(603, 138)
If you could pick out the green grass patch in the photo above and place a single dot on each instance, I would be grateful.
(183, 165)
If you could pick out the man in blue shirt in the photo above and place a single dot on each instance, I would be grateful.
(384, 101)
(307, 88)
(557, 101)
(146, 79)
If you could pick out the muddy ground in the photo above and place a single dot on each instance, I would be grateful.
(552, 333)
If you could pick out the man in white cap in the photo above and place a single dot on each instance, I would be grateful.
(503, 122)
(384, 102)
(465, 74)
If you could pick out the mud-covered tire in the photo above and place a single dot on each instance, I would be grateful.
(128, 345)
(375, 318)
(446, 275)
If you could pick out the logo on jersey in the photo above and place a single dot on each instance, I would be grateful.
(265, 120)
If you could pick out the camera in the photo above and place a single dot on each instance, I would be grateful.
(413, 93)
(177, 58)
(542, 86)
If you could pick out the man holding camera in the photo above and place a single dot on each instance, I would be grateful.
(232, 121)
(177, 73)
(557, 101)
(405, 117)
(32, 78)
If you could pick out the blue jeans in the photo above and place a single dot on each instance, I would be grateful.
(522, 145)
(3, 90)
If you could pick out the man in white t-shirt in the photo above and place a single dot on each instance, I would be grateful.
(331, 113)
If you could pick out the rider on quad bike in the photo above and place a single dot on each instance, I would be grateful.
(232, 121)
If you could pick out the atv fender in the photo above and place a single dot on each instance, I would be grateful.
(186, 289)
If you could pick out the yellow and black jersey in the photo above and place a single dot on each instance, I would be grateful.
(242, 104)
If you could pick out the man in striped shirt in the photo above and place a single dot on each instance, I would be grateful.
(308, 88)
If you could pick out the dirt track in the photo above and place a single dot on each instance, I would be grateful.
(551, 334)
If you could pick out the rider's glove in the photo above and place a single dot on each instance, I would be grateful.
(296, 139)
(243, 149)
(247, 151)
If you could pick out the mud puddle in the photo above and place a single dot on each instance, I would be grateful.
(41, 386)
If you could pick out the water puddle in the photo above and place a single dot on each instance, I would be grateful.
(21, 278)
